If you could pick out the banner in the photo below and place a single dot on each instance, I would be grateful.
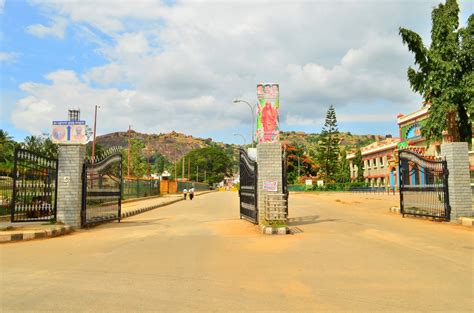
(69, 132)
(268, 117)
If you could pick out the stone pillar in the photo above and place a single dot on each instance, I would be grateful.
(459, 187)
(269, 162)
(69, 202)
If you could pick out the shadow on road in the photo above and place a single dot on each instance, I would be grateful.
(311, 219)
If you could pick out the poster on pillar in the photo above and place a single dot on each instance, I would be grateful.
(268, 124)
(69, 132)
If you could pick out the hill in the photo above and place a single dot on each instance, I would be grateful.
(172, 146)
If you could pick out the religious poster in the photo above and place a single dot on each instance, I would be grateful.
(69, 132)
(268, 125)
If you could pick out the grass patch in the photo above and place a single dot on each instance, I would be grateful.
(275, 224)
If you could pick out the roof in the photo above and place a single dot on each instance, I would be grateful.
(418, 113)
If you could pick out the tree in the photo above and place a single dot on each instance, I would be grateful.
(299, 163)
(138, 163)
(359, 164)
(7, 149)
(214, 161)
(344, 173)
(445, 73)
(328, 149)
(41, 144)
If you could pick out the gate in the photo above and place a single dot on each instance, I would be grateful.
(284, 167)
(248, 187)
(102, 189)
(423, 186)
(34, 187)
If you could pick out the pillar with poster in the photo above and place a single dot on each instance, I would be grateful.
(268, 128)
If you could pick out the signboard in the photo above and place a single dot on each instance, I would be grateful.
(270, 185)
(268, 117)
(69, 132)
(320, 183)
(309, 182)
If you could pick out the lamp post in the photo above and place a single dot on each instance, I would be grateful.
(252, 109)
(245, 142)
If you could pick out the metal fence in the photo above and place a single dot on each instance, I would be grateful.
(188, 184)
(140, 188)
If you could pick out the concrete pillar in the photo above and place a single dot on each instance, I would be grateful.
(459, 187)
(69, 202)
(269, 161)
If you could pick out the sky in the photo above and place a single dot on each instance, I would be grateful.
(161, 66)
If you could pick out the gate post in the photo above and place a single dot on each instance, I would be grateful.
(69, 202)
(459, 187)
(269, 160)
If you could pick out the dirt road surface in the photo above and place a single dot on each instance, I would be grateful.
(348, 255)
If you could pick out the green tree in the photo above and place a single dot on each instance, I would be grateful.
(214, 161)
(7, 150)
(445, 73)
(41, 144)
(98, 149)
(138, 163)
(344, 173)
(359, 163)
(328, 148)
(300, 164)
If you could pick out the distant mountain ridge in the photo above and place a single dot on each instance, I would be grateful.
(172, 145)
(175, 145)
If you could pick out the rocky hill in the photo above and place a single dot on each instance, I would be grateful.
(172, 145)
(175, 145)
(310, 141)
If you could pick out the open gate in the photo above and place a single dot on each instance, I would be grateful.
(248, 187)
(34, 187)
(102, 189)
(423, 186)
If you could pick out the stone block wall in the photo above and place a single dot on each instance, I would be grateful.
(70, 163)
(459, 187)
(269, 160)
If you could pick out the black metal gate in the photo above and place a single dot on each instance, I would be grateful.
(423, 186)
(284, 167)
(102, 190)
(248, 187)
(34, 187)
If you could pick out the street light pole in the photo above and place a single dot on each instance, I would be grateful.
(252, 109)
(245, 142)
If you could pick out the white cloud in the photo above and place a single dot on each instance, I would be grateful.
(183, 64)
(2, 6)
(7, 57)
(56, 29)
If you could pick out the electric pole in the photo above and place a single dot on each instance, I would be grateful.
(93, 141)
(182, 170)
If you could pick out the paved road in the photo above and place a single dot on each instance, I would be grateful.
(350, 256)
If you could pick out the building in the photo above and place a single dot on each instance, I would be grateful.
(410, 133)
(379, 162)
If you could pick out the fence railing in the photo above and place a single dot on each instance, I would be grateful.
(140, 188)
(188, 184)
(340, 187)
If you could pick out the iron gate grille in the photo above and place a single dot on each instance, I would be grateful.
(102, 190)
(284, 167)
(248, 187)
(423, 186)
(34, 187)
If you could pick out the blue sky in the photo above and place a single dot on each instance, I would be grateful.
(163, 66)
